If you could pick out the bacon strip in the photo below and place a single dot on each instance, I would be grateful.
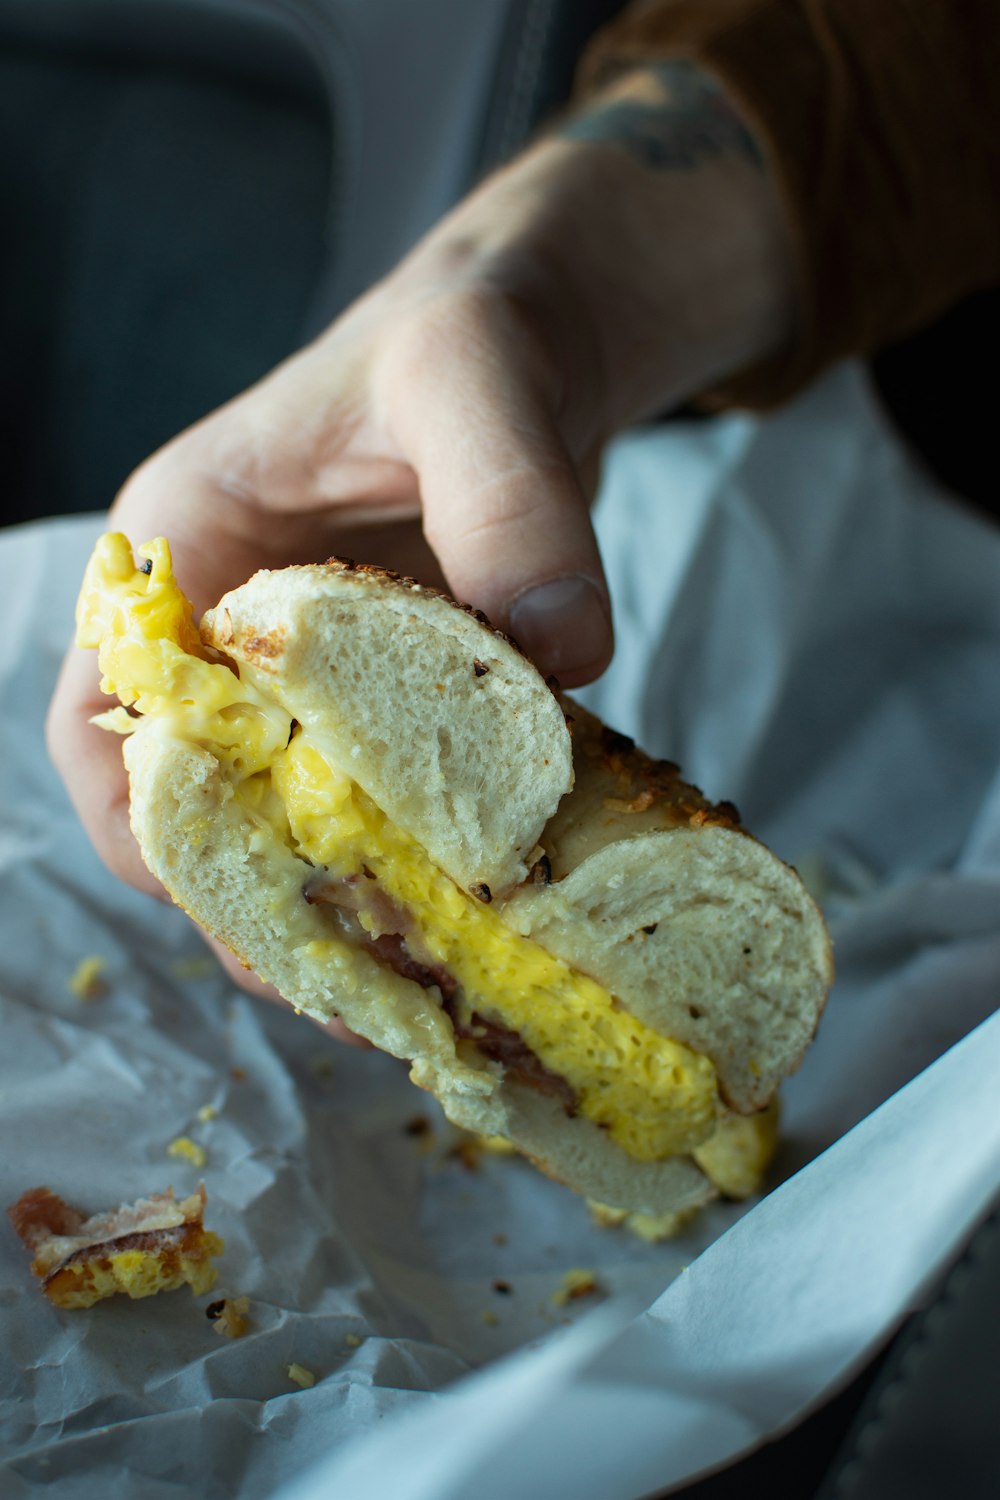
(39, 1214)
(346, 896)
(507, 1047)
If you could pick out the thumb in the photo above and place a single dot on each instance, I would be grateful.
(507, 517)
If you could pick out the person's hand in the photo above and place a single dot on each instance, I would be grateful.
(450, 424)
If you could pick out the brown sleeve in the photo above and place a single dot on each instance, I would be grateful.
(881, 123)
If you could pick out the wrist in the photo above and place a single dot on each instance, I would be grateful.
(647, 241)
(687, 261)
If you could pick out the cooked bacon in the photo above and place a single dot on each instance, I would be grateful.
(348, 895)
(355, 893)
(393, 950)
(503, 1045)
(351, 894)
(39, 1214)
(153, 1240)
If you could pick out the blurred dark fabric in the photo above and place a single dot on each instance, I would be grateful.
(938, 387)
(170, 179)
(918, 1422)
(166, 224)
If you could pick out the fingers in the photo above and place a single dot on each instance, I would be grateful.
(89, 760)
(504, 507)
(461, 423)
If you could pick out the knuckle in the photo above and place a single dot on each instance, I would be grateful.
(518, 502)
(470, 319)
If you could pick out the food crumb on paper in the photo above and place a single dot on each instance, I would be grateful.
(649, 1227)
(301, 1376)
(467, 1152)
(497, 1145)
(201, 966)
(87, 982)
(575, 1284)
(188, 1150)
(352, 1341)
(207, 1112)
(490, 1318)
(471, 1147)
(228, 1316)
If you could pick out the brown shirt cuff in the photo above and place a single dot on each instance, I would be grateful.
(880, 125)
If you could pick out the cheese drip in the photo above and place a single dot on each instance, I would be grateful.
(153, 659)
(654, 1096)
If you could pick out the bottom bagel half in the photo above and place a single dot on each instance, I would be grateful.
(345, 943)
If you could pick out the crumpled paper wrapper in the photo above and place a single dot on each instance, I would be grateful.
(811, 628)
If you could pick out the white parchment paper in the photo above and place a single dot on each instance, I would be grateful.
(812, 629)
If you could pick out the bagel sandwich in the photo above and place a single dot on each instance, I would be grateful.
(378, 804)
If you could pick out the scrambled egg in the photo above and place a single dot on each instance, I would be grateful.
(740, 1152)
(735, 1158)
(184, 1147)
(152, 657)
(137, 1273)
(655, 1097)
(87, 982)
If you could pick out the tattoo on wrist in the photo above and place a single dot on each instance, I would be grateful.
(693, 124)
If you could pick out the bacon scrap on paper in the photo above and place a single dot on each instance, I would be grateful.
(154, 1245)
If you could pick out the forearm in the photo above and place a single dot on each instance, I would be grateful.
(879, 121)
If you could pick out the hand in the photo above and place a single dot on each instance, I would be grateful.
(450, 424)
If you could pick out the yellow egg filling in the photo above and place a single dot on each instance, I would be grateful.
(137, 1273)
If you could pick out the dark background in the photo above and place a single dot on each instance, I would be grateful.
(171, 214)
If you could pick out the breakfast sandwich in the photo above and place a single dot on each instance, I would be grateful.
(376, 801)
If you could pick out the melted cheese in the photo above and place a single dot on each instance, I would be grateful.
(654, 1096)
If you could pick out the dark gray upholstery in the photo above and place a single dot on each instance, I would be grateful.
(166, 226)
(193, 187)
